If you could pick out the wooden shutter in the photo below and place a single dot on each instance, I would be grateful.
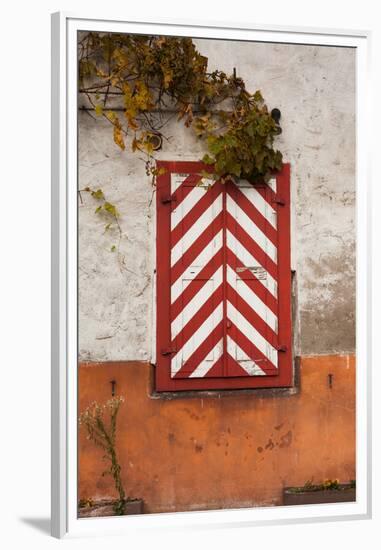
(223, 281)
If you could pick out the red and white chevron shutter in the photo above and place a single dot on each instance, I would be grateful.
(223, 281)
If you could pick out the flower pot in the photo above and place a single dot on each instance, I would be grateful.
(105, 508)
(345, 492)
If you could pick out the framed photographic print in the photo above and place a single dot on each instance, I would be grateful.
(210, 275)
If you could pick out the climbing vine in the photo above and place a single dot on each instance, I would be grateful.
(110, 215)
(140, 83)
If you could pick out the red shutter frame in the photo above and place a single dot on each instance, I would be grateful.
(164, 382)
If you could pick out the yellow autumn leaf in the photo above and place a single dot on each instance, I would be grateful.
(118, 137)
(121, 57)
(148, 147)
(100, 72)
(142, 97)
(98, 110)
(168, 77)
(132, 123)
(136, 144)
(111, 116)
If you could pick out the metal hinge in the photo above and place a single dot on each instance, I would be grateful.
(167, 200)
(281, 348)
(168, 351)
(279, 200)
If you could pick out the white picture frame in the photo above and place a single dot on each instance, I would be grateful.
(64, 278)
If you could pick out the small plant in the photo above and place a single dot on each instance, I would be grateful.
(308, 484)
(86, 503)
(330, 484)
(111, 216)
(330, 490)
(100, 423)
(327, 485)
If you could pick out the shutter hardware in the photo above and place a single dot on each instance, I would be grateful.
(281, 348)
(279, 200)
(168, 351)
(166, 200)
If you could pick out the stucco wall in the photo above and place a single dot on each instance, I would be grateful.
(221, 451)
(314, 87)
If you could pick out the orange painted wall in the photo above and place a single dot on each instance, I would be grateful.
(238, 449)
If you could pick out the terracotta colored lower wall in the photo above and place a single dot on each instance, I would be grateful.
(235, 450)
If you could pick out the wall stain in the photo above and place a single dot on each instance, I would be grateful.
(270, 444)
(192, 415)
(286, 440)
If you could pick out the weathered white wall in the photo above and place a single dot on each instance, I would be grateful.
(314, 87)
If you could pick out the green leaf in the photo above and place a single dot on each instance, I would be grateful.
(207, 159)
(98, 194)
(98, 209)
(258, 96)
(215, 144)
(118, 137)
(110, 208)
(113, 248)
(207, 175)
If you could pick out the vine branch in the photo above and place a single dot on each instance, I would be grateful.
(159, 77)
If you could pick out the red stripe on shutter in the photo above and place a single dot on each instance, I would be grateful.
(199, 353)
(202, 351)
(259, 289)
(251, 246)
(191, 254)
(185, 188)
(194, 214)
(258, 323)
(196, 321)
(204, 275)
(234, 369)
(251, 350)
(254, 214)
